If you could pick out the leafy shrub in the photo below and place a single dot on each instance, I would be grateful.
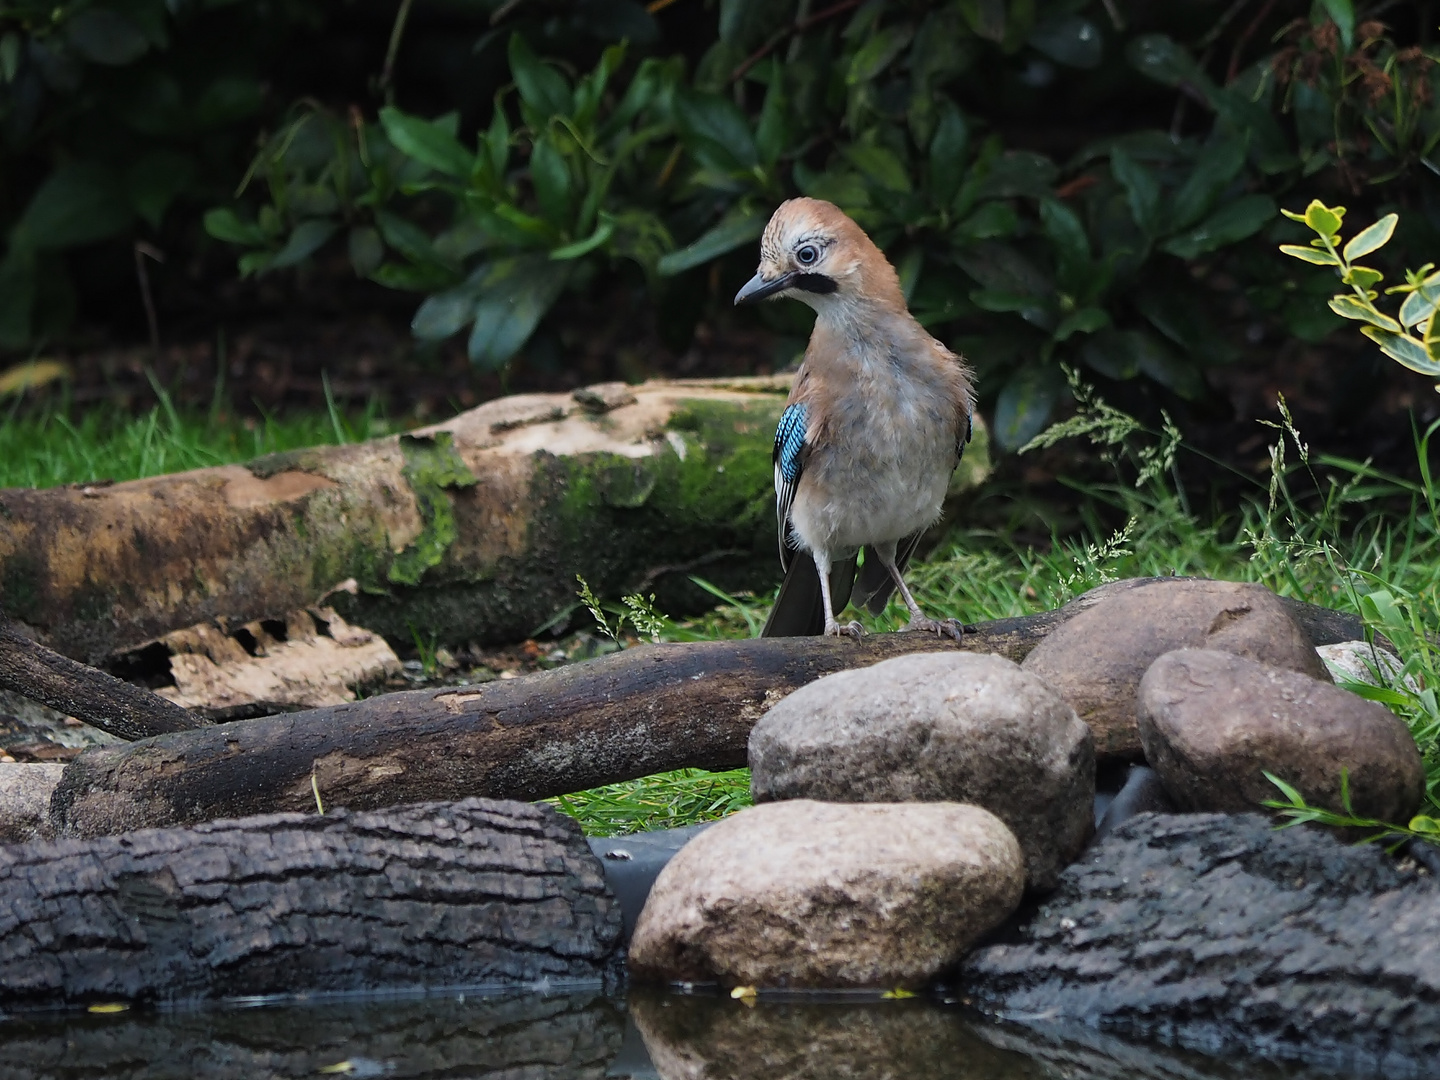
(1128, 252)
(1412, 336)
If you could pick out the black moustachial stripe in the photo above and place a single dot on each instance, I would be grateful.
(816, 283)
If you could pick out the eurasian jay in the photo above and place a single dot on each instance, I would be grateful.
(877, 419)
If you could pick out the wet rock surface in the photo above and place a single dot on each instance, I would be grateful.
(1213, 724)
(810, 894)
(1095, 661)
(1222, 934)
(960, 727)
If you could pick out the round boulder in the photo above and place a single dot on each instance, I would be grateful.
(810, 894)
(952, 726)
(1214, 723)
(1097, 659)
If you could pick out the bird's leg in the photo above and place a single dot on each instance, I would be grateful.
(832, 625)
(918, 619)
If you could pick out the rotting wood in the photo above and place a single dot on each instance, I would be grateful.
(620, 717)
(428, 895)
(101, 700)
(472, 529)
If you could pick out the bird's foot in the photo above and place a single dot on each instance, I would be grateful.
(950, 628)
(851, 630)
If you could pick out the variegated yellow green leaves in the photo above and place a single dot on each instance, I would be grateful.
(1413, 338)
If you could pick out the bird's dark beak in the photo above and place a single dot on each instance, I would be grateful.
(757, 288)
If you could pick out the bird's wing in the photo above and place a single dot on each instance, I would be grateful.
(789, 456)
(873, 584)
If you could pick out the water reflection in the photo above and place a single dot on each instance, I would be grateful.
(534, 1037)
(589, 1037)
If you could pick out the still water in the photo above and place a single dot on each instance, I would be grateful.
(586, 1037)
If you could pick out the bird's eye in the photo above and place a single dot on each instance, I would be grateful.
(807, 255)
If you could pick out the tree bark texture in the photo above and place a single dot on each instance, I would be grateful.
(529, 1037)
(619, 717)
(473, 529)
(101, 700)
(1223, 934)
(426, 895)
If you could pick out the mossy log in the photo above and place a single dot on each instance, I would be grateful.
(619, 717)
(473, 529)
(422, 896)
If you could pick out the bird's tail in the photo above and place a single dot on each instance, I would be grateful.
(799, 610)
(873, 584)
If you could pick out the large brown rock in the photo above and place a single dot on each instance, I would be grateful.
(810, 894)
(1213, 724)
(1097, 659)
(957, 727)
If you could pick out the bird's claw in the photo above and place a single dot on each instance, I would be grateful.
(851, 630)
(950, 628)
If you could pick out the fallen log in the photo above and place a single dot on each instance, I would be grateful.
(428, 895)
(101, 700)
(472, 529)
(620, 717)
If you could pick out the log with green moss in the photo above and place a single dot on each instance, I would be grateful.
(473, 529)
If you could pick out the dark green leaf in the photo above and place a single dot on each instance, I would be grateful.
(79, 203)
(10, 45)
(880, 166)
(1184, 318)
(600, 236)
(1084, 321)
(716, 131)
(1025, 405)
(515, 294)
(366, 250)
(876, 54)
(432, 143)
(1165, 60)
(551, 176)
(772, 132)
(1066, 231)
(738, 228)
(1231, 223)
(1219, 163)
(991, 221)
(745, 23)
(986, 18)
(17, 297)
(947, 154)
(304, 242)
(541, 87)
(1069, 39)
(153, 182)
(448, 312)
(1343, 14)
(1161, 364)
(103, 36)
(1142, 189)
(497, 142)
(1018, 172)
(405, 237)
(224, 224)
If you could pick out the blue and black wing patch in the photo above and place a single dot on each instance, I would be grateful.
(967, 429)
(789, 457)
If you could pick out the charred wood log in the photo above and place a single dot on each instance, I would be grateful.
(426, 895)
(631, 714)
(101, 700)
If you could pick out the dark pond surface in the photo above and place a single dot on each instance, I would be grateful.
(588, 1037)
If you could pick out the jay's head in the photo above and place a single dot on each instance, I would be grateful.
(812, 251)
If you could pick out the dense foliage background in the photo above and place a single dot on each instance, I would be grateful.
(1093, 183)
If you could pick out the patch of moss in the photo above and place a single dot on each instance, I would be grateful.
(431, 466)
(310, 460)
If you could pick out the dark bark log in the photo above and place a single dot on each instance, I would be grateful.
(1223, 934)
(103, 701)
(530, 1037)
(620, 717)
(426, 895)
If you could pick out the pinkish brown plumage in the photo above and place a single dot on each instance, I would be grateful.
(876, 422)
